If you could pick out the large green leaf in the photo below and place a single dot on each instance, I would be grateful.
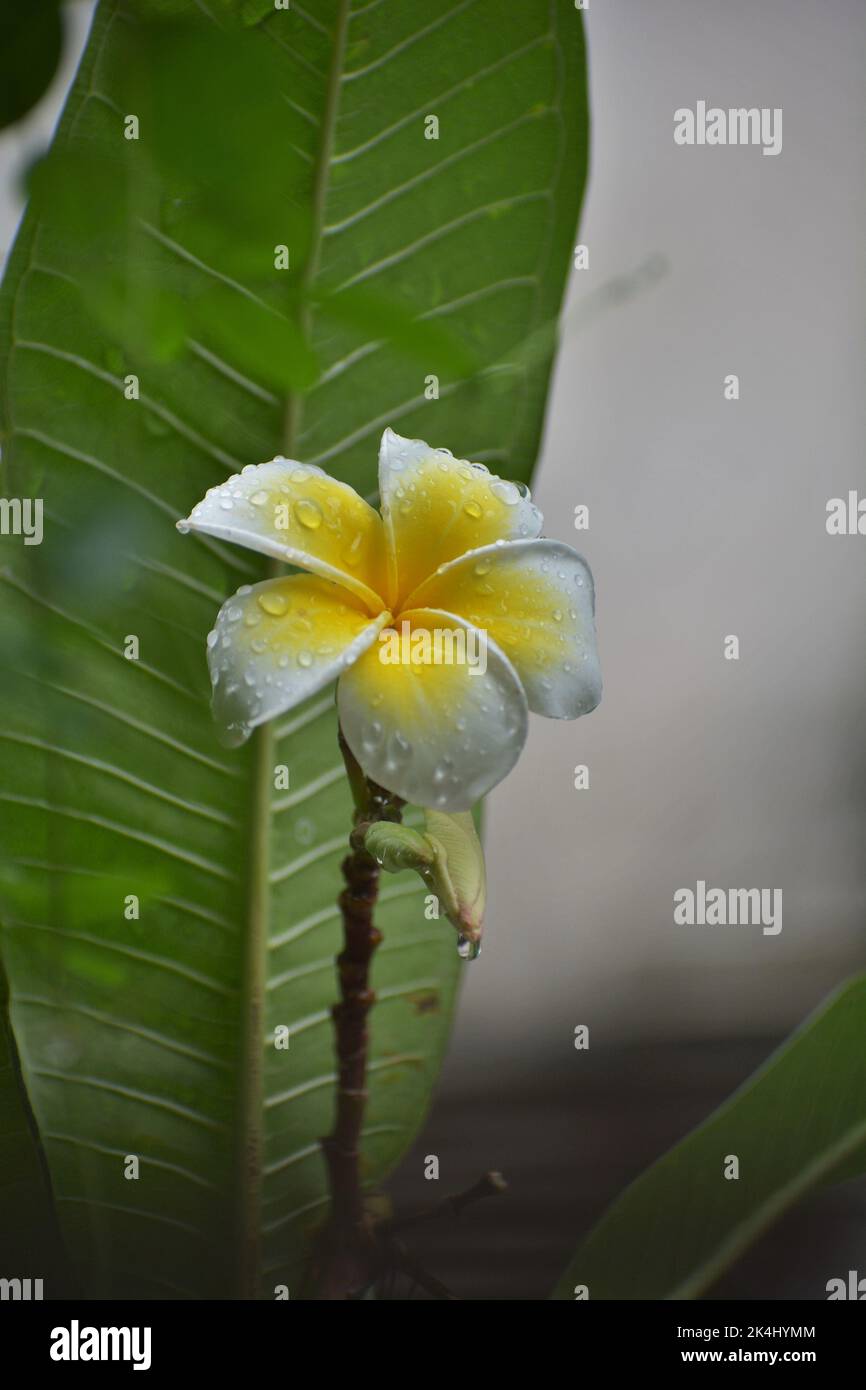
(153, 1036)
(798, 1123)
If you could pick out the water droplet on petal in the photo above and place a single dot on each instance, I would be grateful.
(506, 492)
(211, 639)
(309, 513)
(400, 748)
(472, 509)
(353, 554)
(273, 603)
(372, 737)
(483, 567)
(259, 499)
(442, 770)
(305, 659)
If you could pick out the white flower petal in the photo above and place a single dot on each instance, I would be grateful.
(277, 643)
(436, 735)
(436, 507)
(297, 513)
(536, 600)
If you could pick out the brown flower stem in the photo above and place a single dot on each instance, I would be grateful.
(348, 1256)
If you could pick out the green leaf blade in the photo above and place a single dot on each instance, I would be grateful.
(153, 1036)
(798, 1123)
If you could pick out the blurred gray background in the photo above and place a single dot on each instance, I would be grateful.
(707, 519)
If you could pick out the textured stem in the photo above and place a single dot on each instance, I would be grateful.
(348, 1254)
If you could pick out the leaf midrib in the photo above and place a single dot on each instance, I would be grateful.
(250, 1155)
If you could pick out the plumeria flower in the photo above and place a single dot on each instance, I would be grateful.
(455, 548)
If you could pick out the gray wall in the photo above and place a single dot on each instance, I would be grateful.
(707, 518)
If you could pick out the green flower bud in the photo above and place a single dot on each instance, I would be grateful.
(396, 847)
